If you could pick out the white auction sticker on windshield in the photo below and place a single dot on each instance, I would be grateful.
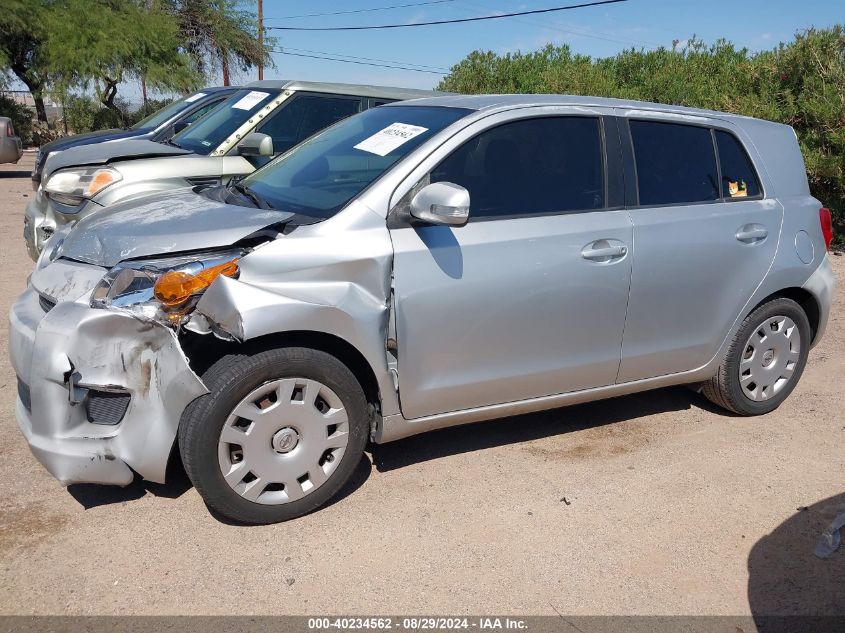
(193, 98)
(249, 100)
(394, 135)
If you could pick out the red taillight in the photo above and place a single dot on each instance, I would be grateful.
(827, 226)
(10, 131)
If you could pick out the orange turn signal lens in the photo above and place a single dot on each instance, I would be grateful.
(174, 288)
(101, 180)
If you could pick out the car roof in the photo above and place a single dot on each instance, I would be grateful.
(496, 102)
(363, 90)
(211, 89)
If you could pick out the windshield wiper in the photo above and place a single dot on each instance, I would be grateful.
(172, 143)
(257, 200)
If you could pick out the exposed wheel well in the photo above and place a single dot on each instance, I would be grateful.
(803, 298)
(203, 350)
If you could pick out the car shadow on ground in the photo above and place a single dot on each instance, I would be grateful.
(533, 426)
(435, 444)
(17, 173)
(786, 579)
(94, 495)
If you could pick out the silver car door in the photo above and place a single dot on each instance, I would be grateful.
(528, 298)
(704, 243)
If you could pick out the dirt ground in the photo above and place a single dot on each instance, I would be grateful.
(656, 503)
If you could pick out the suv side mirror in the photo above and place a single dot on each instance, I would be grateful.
(179, 126)
(441, 203)
(256, 144)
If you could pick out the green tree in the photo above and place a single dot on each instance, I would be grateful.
(22, 35)
(800, 83)
(101, 43)
(219, 34)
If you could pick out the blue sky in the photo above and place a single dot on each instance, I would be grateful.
(597, 31)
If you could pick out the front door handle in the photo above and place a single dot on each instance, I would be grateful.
(752, 233)
(603, 251)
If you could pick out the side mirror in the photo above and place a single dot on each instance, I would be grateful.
(256, 144)
(441, 203)
(179, 126)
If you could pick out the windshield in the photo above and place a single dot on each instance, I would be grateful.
(320, 176)
(204, 136)
(160, 116)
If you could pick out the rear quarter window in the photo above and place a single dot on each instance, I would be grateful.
(739, 180)
(676, 163)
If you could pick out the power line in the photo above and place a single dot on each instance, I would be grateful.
(285, 49)
(361, 63)
(456, 21)
(395, 6)
(599, 35)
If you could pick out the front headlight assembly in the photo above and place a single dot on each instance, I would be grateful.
(72, 186)
(164, 290)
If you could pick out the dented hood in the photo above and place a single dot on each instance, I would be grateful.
(108, 151)
(161, 224)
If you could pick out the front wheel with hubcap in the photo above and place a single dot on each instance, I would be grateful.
(278, 435)
(764, 361)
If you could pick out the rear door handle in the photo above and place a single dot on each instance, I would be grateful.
(752, 233)
(603, 253)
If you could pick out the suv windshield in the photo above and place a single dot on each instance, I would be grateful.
(160, 116)
(320, 176)
(207, 133)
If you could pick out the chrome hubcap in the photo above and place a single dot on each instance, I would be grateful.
(769, 358)
(283, 441)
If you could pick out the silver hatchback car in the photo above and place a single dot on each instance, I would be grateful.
(420, 265)
(11, 149)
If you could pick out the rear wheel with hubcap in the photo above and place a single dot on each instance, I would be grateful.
(277, 437)
(764, 361)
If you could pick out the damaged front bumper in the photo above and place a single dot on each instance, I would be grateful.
(100, 392)
(37, 227)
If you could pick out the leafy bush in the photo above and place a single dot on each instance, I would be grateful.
(86, 114)
(79, 112)
(801, 83)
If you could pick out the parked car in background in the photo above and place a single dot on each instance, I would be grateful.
(417, 266)
(159, 126)
(11, 149)
(260, 121)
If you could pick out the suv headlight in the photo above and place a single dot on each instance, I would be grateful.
(72, 186)
(164, 290)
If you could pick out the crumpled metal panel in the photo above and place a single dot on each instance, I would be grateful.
(161, 224)
(66, 280)
(111, 350)
(318, 280)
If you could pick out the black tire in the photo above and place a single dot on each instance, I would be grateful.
(724, 389)
(229, 381)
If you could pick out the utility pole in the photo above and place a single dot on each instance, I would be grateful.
(261, 38)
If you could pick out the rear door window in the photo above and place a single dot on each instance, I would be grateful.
(201, 112)
(739, 180)
(676, 164)
(530, 167)
(304, 116)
